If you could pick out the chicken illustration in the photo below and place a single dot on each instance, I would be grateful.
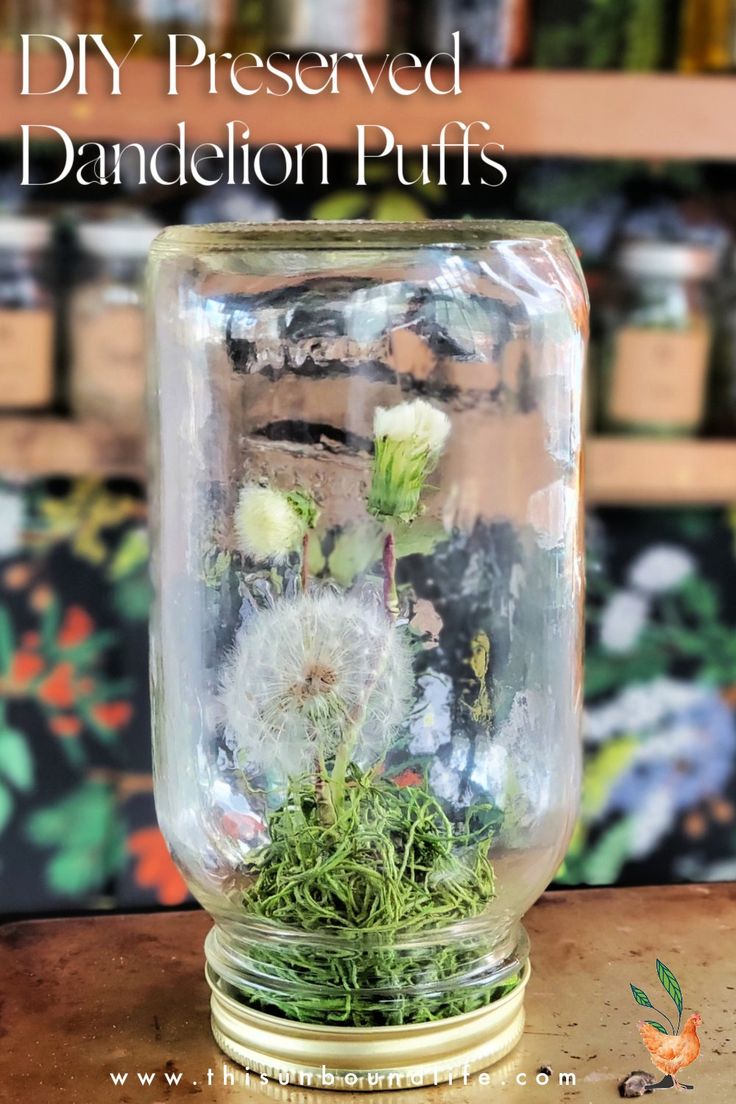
(671, 1053)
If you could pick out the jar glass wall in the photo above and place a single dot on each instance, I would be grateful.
(366, 667)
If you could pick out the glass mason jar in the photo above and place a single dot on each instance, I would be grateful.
(366, 668)
(660, 336)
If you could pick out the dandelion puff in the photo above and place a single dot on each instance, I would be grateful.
(313, 673)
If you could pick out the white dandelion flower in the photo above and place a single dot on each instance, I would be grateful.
(418, 421)
(266, 524)
(311, 674)
(409, 439)
(661, 568)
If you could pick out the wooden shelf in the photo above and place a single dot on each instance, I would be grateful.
(638, 471)
(31, 446)
(624, 115)
(619, 470)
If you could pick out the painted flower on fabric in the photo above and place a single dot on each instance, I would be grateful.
(12, 516)
(311, 673)
(431, 722)
(623, 619)
(661, 568)
(154, 867)
(685, 755)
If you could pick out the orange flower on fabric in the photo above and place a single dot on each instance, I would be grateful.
(65, 726)
(408, 778)
(57, 688)
(76, 627)
(112, 714)
(155, 868)
(24, 668)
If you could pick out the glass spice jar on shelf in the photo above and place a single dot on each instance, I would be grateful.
(361, 26)
(658, 346)
(106, 325)
(722, 393)
(27, 313)
(212, 20)
(366, 665)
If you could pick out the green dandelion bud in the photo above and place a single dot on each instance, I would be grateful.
(409, 439)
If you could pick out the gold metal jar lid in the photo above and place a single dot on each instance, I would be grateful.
(367, 1059)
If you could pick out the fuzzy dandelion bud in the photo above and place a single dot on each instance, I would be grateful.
(270, 524)
(409, 439)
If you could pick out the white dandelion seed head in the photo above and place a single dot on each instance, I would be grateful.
(311, 673)
(418, 421)
(267, 526)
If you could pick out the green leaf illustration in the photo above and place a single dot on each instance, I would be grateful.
(640, 997)
(670, 984)
(653, 1023)
(16, 764)
(340, 205)
(6, 806)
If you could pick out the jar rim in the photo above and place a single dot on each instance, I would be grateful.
(354, 234)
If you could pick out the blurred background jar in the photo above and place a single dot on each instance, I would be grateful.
(26, 313)
(492, 32)
(659, 341)
(41, 17)
(212, 20)
(707, 36)
(361, 26)
(106, 329)
(722, 400)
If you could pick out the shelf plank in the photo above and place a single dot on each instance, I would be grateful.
(639, 471)
(576, 114)
(45, 446)
(619, 470)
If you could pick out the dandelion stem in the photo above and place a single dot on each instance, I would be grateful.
(390, 594)
(323, 795)
(305, 558)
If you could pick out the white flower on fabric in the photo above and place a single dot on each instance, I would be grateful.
(491, 771)
(552, 512)
(639, 708)
(661, 568)
(431, 723)
(444, 782)
(266, 524)
(12, 518)
(651, 822)
(311, 673)
(420, 422)
(624, 617)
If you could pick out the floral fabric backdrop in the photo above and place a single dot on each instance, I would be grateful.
(77, 822)
(660, 674)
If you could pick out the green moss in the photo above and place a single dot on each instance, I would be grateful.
(392, 865)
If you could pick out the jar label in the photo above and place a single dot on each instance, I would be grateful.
(658, 376)
(26, 358)
(108, 370)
